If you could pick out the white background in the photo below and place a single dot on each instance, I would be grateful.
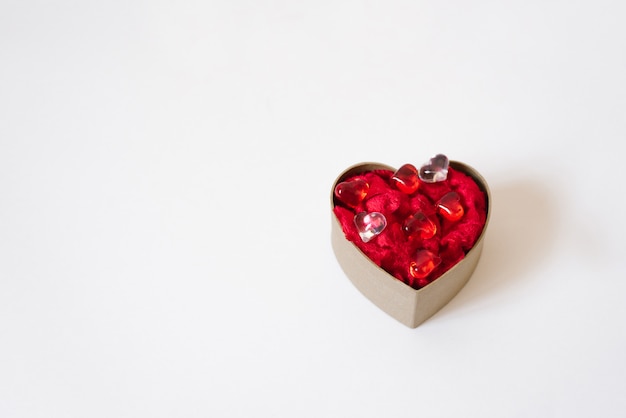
(165, 173)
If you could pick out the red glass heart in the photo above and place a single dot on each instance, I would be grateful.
(406, 179)
(418, 225)
(423, 264)
(352, 193)
(450, 207)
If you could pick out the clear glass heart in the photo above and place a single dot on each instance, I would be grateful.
(435, 170)
(370, 224)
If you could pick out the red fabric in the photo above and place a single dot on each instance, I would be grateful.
(392, 250)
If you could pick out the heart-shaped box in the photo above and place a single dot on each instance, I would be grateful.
(407, 305)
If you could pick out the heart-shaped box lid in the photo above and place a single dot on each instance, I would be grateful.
(407, 305)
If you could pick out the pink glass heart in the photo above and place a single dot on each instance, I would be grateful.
(351, 193)
(405, 179)
(370, 224)
(424, 262)
(450, 207)
(419, 226)
(434, 170)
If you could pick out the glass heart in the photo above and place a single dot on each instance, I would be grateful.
(435, 170)
(418, 225)
(405, 179)
(352, 193)
(370, 224)
(450, 207)
(423, 264)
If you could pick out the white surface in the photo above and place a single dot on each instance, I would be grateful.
(165, 169)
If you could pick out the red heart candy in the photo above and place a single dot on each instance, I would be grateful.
(352, 193)
(406, 179)
(449, 206)
(424, 262)
(418, 225)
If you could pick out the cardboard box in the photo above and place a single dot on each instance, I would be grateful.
(408, 305)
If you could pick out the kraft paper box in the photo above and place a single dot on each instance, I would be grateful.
(404, 303)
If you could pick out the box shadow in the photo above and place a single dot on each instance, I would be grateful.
(519, 238)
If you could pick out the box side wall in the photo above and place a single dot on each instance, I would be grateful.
(437, 294)
(385, 291)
